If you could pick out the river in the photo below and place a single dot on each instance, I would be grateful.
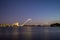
(30, 33)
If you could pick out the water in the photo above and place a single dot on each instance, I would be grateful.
(30, 33)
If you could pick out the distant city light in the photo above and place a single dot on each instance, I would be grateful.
(17, 23)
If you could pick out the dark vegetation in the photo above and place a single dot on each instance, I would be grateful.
(55, 25)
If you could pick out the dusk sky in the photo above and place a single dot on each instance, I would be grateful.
(40, 11)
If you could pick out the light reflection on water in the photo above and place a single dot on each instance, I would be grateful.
(30, 33)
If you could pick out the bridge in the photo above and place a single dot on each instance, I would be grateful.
(17, 23)
(25, 22)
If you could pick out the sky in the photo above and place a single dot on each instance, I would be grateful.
(40, 11)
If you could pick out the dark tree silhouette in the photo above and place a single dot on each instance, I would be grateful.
(55, 25)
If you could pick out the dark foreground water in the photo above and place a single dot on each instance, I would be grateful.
(30, 33)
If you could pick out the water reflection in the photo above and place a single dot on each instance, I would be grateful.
(30, 33)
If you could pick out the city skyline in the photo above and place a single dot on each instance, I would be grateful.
(40, 11)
